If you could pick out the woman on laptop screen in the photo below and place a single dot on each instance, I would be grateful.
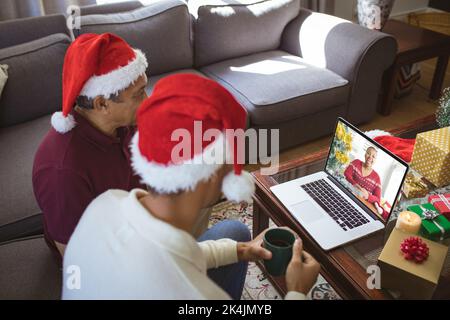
(364, 178)
(372, 174)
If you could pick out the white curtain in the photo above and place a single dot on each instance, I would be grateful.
(14, 9)
(60, 6)
(325, 6)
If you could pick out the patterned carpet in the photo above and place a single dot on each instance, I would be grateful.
(257, 287)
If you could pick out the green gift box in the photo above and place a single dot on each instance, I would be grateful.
(435, 226)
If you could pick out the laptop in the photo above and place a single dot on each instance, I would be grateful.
(353, 196)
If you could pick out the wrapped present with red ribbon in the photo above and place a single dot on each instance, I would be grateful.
(442, 203)
(411, 265)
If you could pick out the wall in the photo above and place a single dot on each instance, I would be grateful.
(440, 5)
(346, 8)
(406, 6)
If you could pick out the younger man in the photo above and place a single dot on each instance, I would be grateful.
(139, 244)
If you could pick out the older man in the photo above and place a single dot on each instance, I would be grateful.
(86, 152)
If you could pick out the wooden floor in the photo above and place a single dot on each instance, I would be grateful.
(415, 106)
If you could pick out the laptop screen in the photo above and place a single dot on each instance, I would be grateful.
(366, 169)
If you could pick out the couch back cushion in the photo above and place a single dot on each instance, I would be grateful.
(14, 32)
(229, 29)
(17, 200)
(34, 86)
(161, 30)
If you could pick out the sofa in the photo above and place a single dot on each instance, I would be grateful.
(292, 69)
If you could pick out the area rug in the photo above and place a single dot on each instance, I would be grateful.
(257, 287)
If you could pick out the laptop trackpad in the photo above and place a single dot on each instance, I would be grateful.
(307, 212)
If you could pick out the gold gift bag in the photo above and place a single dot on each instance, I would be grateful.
(431, 156)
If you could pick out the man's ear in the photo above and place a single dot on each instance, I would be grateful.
(100, 104)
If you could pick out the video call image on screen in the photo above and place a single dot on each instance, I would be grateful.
(370, 173)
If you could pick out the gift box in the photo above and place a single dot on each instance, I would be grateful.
(414, 186)
(435, 226)
(431, 156)
(410, 279)
(442, 203)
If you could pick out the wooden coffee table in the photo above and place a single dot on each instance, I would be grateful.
(414, 45)
(345, 267)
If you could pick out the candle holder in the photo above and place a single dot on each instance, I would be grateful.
(409, 222)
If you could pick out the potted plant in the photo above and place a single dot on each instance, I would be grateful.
(373, 14)
(443, 111)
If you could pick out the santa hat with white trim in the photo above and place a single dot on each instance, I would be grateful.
(201, 116)
(96, 65)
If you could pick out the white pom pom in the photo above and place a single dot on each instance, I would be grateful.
(62, 124)
(238, 188)
(376, 133)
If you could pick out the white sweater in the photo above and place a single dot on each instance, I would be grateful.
(120, 251)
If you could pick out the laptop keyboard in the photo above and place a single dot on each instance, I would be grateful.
(337, 207)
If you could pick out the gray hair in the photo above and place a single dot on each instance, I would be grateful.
(88, 103)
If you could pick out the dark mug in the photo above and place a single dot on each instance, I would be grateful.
(279, 242)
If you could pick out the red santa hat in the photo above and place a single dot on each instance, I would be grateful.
(96, 65)
(187, 106)
(403, 148)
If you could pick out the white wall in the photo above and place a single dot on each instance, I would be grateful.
(346, 8)
(407, 6)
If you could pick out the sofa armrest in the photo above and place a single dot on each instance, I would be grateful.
(355, 53)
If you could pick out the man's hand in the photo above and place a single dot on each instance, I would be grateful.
(302, 271)
(253, 250)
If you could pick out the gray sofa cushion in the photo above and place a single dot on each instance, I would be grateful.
(20, 31)
(356, 53)
(238, 28)
(29, 271)
(34, 85)
(275, 86)
(309, 127)
(161, 30)
(154, 79)
(21, 142)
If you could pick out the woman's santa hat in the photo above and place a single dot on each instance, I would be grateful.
(96, 65)
(187, 106)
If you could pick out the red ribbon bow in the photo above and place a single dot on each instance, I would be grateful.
(415, 249)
